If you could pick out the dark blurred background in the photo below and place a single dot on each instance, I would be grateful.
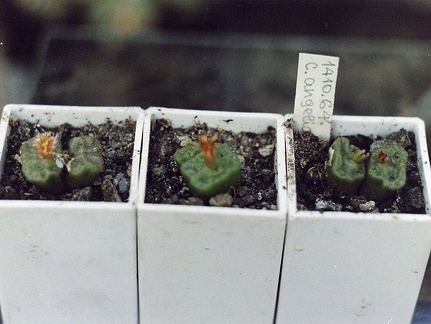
(219, 54)
(215, 54)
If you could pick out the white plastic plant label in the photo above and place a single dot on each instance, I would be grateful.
(315, 92)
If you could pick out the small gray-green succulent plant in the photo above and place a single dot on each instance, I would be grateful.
(346, 166)
(386, 171)
(208, 168)
(44, 163)
(86, 161)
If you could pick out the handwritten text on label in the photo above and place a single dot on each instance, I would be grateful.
(315, 92)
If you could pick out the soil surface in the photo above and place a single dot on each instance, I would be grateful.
(256, 188)
(112, 183)
(311, 154)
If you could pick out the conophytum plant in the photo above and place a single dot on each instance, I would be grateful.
(44, 162)
(208, 168)
(386, 171)
(346, 166)
(86, 161)
(376, 175)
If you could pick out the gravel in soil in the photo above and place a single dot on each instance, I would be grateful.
(256, 188)
(112, 183)
(311, 154)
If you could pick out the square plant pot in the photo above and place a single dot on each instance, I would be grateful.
(207, 263)
(346, 267)
(70, 261)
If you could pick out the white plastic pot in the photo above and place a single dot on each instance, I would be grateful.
(342, 267)
(69, 261)
(210, 264)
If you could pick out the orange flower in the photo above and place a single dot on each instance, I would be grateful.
(208, 150)
(45, 143)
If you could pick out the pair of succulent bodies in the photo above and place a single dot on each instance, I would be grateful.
(45, 164)
(376, 175)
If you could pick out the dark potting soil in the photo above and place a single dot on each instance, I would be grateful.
(113, 182)
(311, 154)
(256, 188)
